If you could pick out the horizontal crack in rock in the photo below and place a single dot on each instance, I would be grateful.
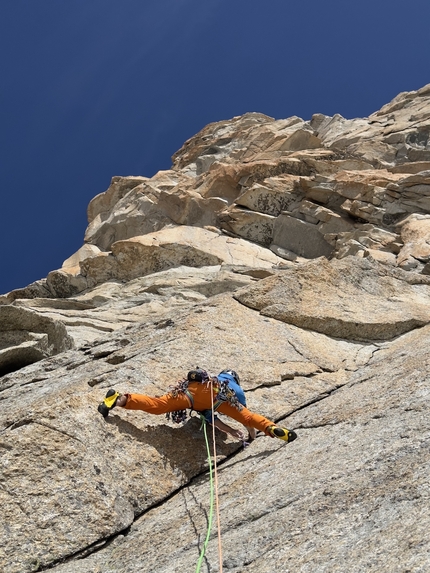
(28, 421)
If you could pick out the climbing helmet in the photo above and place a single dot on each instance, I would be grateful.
(197, 375)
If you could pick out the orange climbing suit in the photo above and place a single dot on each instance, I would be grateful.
(203, 400)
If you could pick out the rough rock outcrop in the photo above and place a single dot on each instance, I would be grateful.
(114, 305)
(296, 252)
(173, 247)
(26, 337)
(326, 187)
(354, 299)
(148, 254)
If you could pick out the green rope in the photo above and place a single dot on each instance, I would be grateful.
(202, 554)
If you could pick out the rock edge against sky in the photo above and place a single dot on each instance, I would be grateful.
(296, 253)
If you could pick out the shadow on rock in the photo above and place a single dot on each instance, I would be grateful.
(183, 447)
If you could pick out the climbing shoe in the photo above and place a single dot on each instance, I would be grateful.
(282, 434)
(109, 402)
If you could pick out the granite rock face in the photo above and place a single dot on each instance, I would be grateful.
(26, 337)
(351, 494)
(351, 299)
(296, 252)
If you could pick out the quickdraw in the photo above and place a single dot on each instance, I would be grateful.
(178, 417)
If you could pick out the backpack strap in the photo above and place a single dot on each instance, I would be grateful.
(217, 404)
(190, 397)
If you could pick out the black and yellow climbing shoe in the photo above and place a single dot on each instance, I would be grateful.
(109, 402)
(283, 434)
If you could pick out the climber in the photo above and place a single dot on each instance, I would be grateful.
(231, 378)
(200, 392)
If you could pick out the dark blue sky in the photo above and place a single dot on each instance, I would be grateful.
(90, 89)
